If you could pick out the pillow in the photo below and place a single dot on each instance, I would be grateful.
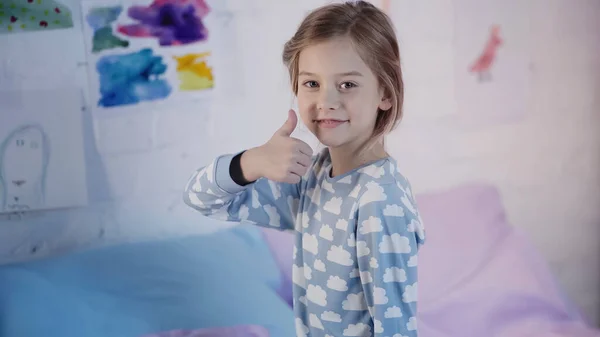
(222, 279)
(476, 265)
(472, 213)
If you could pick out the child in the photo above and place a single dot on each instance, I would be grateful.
(353, 213)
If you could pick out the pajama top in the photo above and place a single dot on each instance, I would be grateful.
(356, 241)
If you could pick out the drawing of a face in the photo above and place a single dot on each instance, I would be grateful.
(23, 161)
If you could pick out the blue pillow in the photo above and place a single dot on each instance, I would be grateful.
(221, 279)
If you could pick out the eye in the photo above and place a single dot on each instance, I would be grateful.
(20, 142)
(34, 145)
(311, 84)
(348, 85)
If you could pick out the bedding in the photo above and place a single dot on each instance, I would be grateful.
(237, 282)
(478, 275)
(235, 331)
(220, 280)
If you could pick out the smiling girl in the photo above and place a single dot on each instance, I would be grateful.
(356, 222)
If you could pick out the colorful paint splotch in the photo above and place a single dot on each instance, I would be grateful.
(132, 78)
(100, 20)
(33, 15)
(194, 72)
(172, 22)
(483, 64)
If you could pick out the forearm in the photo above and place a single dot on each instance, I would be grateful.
(247, 167)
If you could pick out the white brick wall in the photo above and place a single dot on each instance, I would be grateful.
(547, 166)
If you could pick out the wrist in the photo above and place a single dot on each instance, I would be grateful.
(250, 164)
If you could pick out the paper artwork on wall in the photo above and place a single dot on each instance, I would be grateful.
(42, 162)
(143, 53)
(492, 61)
(33, 15)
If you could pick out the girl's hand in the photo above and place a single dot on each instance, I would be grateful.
(282, 159)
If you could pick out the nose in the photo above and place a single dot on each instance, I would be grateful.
(329, 100)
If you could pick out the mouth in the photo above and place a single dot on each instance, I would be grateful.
(329, 123)
(18, 182)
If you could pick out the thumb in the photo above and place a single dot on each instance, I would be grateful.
(289, 125)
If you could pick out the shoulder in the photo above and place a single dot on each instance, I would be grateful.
(382, 183)
(387, 195)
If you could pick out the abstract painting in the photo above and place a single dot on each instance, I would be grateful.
(143, 55)
(33, 15)
(171, 22)
(101, 20)
(492, 62)
(131, 78)
(42, 163)
(193, 71)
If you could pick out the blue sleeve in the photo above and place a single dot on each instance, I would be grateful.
(388, 235)
(212, 192)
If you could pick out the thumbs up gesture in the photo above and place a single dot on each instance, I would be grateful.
(282, 159)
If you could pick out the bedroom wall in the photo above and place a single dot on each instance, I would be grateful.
(545, 162)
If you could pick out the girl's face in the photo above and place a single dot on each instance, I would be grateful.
(338, 95)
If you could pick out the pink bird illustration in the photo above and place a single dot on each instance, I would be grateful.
(484, 62)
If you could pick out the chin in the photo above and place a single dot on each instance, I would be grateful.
(330, 142)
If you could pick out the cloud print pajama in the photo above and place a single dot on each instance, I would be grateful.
(357, 237)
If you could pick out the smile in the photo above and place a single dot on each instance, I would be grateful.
(329, 123)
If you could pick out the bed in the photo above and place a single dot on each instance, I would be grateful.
(237, 283)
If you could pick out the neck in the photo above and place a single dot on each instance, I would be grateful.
(347, 158)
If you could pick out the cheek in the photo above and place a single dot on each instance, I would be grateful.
(362, 110)
(306, 107)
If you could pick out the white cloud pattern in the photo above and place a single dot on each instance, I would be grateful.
(371, 225)
(393, 312)
(339, 255)
(310, 243)
(320, 266)
(395, 244)
(394, 274)
(334, 205)
(336, 283)
(349, 238)
(331, 316)
(326, 233)
(393, 210)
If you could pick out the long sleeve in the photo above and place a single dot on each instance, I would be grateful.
(212, 191)
(388, 235)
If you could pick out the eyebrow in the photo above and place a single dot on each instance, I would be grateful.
(350, 73)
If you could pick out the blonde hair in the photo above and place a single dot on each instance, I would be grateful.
(372, 34)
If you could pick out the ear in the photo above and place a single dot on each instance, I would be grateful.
(385, 104)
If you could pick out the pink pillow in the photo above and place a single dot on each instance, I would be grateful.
(462, 227)
(475, 264)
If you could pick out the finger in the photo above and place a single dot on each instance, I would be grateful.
(303, 159)
(304, 148)
(298, 169)
(289, 126)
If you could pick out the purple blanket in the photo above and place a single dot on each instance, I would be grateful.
(478, 275)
